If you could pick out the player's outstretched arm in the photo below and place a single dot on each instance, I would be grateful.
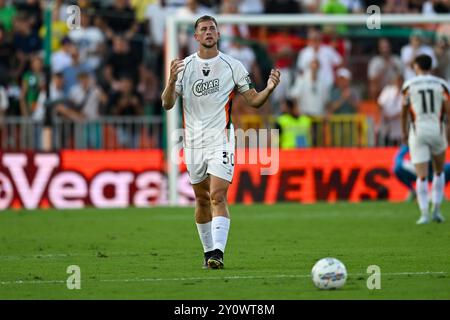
(257, 99)
(169, 95)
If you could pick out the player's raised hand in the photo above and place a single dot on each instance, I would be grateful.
(274, 79)
(176, 66)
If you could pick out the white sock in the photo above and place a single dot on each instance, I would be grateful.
(220, 227)
(437, 189)
(422, 195)
(204, 231)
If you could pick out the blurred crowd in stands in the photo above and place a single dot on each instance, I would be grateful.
(114, 64)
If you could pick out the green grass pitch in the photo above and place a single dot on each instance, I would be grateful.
(156, 254)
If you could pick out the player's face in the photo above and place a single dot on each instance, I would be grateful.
(206, 34)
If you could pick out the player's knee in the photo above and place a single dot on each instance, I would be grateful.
(203, 201)
(218, 198)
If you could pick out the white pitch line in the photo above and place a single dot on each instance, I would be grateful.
(19, 282)
(31, 282)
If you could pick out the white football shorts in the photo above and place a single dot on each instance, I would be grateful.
(217, 161)
(423, 146)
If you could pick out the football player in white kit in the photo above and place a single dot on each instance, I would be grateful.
(207, 81)
(427, 101)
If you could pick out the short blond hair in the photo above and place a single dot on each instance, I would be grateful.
(204, 18)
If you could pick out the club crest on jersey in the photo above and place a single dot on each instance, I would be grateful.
(203, 88)
(206, 70)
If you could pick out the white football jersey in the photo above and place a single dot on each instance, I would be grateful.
(207, 87)
(426, 95)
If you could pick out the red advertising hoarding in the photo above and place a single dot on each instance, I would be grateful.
(322, 175)
(118, 178)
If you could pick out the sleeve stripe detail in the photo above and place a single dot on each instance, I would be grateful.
(232, 74)
(185, 68)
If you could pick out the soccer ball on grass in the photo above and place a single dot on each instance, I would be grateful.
(329, 273)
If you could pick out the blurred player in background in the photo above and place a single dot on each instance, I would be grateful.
(207, 81)
(426, 99)
(406, 173)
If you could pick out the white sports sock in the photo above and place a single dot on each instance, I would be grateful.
(204, 231)
(220, 227)
(437, 189)
(422, 195)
